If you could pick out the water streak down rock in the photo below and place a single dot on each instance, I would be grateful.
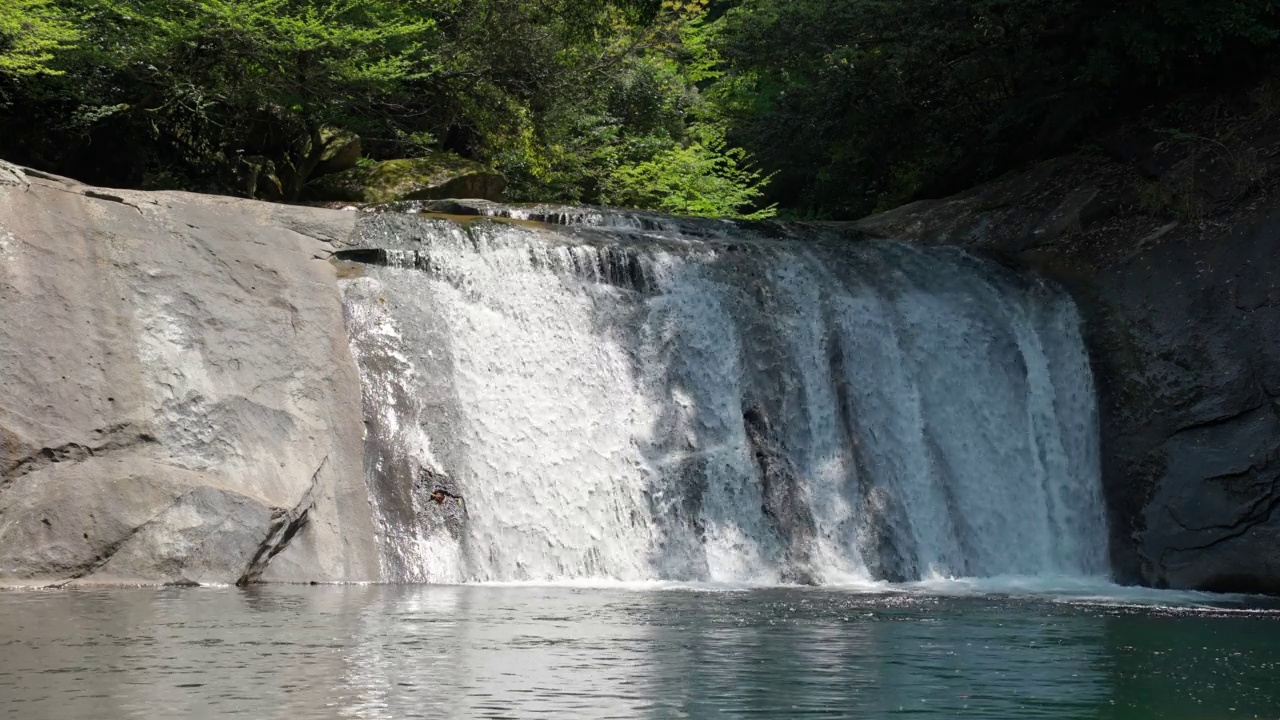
(1183, 322)
(622, 398)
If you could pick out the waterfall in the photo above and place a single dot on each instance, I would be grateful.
(638, 399)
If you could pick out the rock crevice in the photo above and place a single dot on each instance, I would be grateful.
(119, 437)
(285, 525)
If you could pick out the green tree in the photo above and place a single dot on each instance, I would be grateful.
(217, 79)
(704, 177)
(575, 100)
(864, 104)
(639, 132)
(32, 34)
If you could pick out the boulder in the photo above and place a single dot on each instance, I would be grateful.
(1183, 325)
(438, 176)
(342, 151)
(176, 391)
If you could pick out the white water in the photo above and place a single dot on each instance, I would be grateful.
(635, 406)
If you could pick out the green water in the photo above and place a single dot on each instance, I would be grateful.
(518, 652)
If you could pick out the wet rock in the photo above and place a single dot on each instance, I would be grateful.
(1186, 343)
(783, 503)
(449, 512)
(1183, 324)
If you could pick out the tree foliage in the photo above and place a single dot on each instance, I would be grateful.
(704, 177)
(215, 78)
(858, 104)
(827, 108)
(32, 33)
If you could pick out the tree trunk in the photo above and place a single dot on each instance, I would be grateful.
(309, 157)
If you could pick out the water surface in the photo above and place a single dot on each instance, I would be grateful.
(519, 652)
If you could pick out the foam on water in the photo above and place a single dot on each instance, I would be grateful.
(645, 406)
(1069, 590)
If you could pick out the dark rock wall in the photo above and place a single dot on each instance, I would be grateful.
(1183, 321)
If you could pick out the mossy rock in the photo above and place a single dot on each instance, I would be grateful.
(342, 151)
(435, 177)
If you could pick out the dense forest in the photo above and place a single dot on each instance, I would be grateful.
(745, 108)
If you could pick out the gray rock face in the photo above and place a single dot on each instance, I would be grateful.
(1184, 331)
(178, 402)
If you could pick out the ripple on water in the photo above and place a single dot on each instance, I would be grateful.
(979, 650)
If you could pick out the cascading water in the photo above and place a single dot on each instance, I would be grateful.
(644, 400)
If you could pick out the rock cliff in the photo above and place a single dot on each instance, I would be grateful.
(178, 403)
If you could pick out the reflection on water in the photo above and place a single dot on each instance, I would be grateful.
(440, 652)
